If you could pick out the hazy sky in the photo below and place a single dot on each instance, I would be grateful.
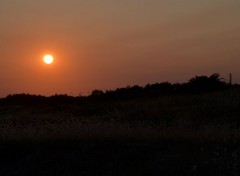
(105, 44)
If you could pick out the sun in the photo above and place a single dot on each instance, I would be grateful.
(48, 59)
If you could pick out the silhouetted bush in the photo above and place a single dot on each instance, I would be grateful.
(205, 83)
(96, 93)
(197, 84)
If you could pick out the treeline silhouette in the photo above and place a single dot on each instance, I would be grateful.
(198, 84)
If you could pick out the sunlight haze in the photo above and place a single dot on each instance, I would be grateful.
(108, 44)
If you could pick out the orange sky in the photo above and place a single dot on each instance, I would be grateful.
(105, 44)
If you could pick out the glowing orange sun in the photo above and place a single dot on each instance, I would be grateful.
(48, 59)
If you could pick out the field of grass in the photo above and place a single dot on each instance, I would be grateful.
(184, 134)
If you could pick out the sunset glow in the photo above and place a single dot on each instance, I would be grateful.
(77, 46)
(48, 59)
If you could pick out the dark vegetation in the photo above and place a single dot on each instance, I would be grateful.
(198, 84)
(159, 129)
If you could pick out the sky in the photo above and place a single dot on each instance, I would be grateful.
(106, 44)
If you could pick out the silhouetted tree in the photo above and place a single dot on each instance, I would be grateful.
(204, 83)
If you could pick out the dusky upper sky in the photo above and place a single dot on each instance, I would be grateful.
(105, 44)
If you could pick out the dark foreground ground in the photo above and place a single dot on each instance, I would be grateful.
(171, 135)
(120, 158)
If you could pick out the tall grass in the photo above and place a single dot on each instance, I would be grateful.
(195, 116)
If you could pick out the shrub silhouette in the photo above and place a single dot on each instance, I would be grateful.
(205, 83)
(194, 85)
(96, 92)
